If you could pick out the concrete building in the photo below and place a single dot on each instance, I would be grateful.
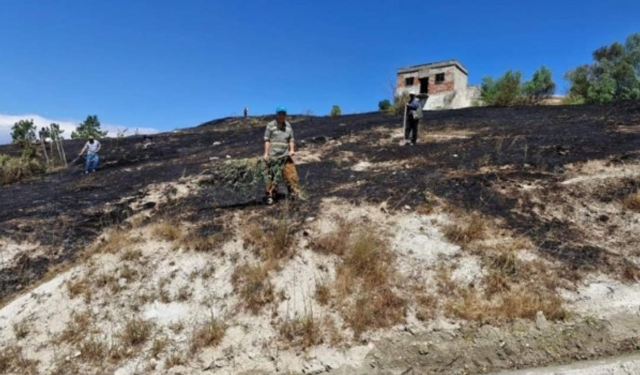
(446, 83)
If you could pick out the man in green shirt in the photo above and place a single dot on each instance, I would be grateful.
(278, 150)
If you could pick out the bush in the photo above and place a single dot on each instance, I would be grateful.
(540, 87)
(384, 105)
(505, 91)
(335, 111)
(14, 169)
(614, 74)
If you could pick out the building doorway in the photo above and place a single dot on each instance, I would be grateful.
(424, 85)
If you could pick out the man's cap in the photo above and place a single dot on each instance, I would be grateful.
(281, 109)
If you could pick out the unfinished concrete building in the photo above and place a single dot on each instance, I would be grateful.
(446, 83)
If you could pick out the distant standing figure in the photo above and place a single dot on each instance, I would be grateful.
(92, 147)
(246, 112)
(279, 148)
(413, 118)
(146, 142)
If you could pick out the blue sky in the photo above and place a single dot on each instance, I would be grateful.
(168, 64)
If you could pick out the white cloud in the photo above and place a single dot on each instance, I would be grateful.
(7, 121)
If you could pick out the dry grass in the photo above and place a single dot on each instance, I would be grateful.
(118, 240)
(520, 302)
(632, 202)
(207, 244)
(363, 288)
(167, 230)
(13, 360)
(175, 359)
(426, 306)
(378, 308)
(135, 332)
(184, 294)
(304, 332)
(272, 238)
(93, 350)
(323, 293)
(158, 346)
(78, 327)
(367, 262)
(78, 286)
(131, 255)
(466, 229)
(253, 286)
(20, 329)
(334, 242)
(207, 335)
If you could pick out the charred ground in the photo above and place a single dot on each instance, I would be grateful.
(489, 152)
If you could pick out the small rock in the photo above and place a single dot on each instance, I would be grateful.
(214, 158)
(313, 368)
(423, 351)
(407, 207)
(310, 219)
(541, 321)
(217, 143)
(228, 156)
(455, 155)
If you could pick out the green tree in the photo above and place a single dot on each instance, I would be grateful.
(55, 131)
(613, 75)
(505, 91)
(23, 133)
(335, 111)
(89, 128)
(540, 87)
(384, 105)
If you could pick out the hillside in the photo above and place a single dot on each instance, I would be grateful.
(507, 238)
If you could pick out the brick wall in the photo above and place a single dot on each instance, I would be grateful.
(442, 87)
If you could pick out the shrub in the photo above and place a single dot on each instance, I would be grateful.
(540, 87)
(209, 334)
(384, 105)
(614, 74)
(14, 169)
(505, 91)
(335, 111)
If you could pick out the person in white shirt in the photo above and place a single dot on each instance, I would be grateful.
(92, 147)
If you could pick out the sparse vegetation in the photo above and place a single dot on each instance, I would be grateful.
(77, 328)
(466, 229)
(131, 255)
(158, 346)
(253, 286)
(363, 285)
(135, 332)
(208, 334)
(305, 331)
(15, 169)
(632, 202)
(20, 329)
(167, 230)
(175, 359)
(12, 359)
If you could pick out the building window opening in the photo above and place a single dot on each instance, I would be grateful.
(424, 86)
(408, 81)
(439, 78)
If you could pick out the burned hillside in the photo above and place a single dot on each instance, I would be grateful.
(506, 211)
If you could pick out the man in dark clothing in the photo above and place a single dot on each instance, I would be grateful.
(413, 118)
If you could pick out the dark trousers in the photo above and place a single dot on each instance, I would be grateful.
(411, 131)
